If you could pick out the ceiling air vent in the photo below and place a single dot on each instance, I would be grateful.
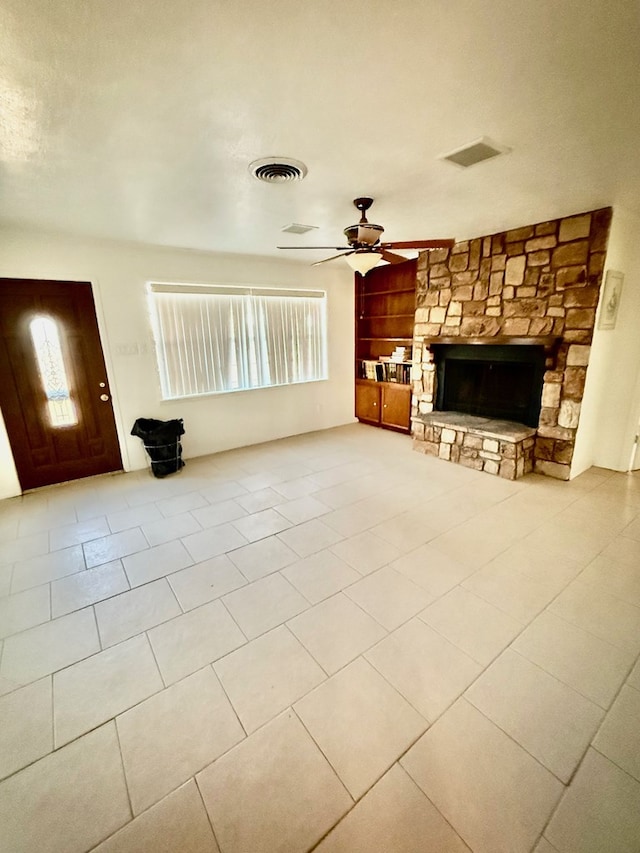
(295, 228)
(475, 152)
(277, 170)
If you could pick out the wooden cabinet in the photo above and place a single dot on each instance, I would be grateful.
(368, 403)
(384, 404)
(385, 309)
(396, 406)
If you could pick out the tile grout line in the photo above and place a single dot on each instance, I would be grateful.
(103, 722)
(584, 630)
(233, 619)
(231, 705)
(145, 634)
(359, 799)
(98, 634)
(351, 660)
(53, 717)
(462, 695)
(566, 785)
(322, 752)
(206, 810)
(124, 772)
(615, 763)
(608, 710)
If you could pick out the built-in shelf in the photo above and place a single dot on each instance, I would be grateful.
(387, 292)
(384, 321)
(391, 340)
(383, 382)
(386, 316)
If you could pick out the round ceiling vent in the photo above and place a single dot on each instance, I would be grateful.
(277, 170)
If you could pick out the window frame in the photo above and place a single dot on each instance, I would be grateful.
(184, 288)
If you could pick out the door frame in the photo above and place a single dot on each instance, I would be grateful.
(106, 352)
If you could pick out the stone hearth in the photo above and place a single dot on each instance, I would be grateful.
(497, 447)
(539, 283)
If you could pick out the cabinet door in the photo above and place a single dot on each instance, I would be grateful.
(396, 406)
(368, 401)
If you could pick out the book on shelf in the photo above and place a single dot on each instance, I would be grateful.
(397, 371)
(386, 370)
(371, 369)
(401, 354)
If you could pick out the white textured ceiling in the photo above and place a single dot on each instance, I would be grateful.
(137, 120)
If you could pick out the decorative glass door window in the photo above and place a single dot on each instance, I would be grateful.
(53, 376)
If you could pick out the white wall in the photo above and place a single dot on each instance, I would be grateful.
(119, 273)
(611, 402)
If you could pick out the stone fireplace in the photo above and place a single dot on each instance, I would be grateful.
(502, 337)
(494, 381)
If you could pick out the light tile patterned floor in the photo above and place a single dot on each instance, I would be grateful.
(326, 643)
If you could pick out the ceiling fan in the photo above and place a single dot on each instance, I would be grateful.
(365, 250)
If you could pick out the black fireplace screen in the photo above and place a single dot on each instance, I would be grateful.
(491, 381)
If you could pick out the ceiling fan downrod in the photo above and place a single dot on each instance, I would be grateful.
(363, 204)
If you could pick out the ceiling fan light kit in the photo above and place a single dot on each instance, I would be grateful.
(365, 251)
(363, 261)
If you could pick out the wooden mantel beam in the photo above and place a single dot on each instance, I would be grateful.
(549, 342)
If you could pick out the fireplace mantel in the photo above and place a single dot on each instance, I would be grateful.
(549, 342)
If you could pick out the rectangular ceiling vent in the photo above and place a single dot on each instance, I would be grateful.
(295, 228)
(475, 152)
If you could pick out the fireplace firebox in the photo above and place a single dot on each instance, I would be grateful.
(494, 381)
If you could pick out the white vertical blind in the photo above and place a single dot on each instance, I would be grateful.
(217, 339)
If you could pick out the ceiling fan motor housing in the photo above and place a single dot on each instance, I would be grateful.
(363, 234)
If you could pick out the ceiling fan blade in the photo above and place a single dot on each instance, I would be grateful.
(333, 257)
(391, 258)
(337, 248)
(420, 244)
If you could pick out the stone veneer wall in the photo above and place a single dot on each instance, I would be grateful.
(535, 281)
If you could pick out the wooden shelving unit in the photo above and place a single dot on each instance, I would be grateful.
(385, 306)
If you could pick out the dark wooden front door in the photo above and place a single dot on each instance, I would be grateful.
(54, 393)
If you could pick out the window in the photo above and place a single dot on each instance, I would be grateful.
(53, 376)
(215, 339)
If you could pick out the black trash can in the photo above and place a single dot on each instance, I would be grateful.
(161, 440)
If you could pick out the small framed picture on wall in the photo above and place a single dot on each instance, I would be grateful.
(611, 293)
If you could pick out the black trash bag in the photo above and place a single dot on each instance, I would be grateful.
(161, 440)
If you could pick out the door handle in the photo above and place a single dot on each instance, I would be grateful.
(104, 397)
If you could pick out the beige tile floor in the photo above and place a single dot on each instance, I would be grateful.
(329, 643)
